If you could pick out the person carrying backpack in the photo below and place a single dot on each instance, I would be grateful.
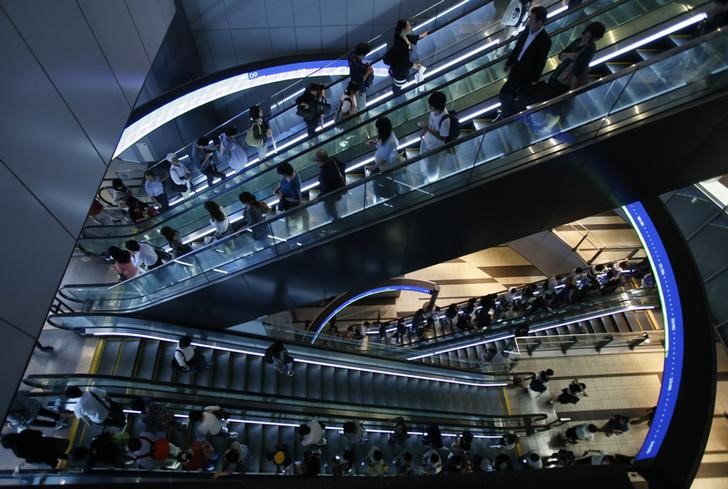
(311, 107)
(441, 128)
(331, 178)
(278, 356)
(258, 133)
(186, 357)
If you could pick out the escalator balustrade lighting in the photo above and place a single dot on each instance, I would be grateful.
(313, 362)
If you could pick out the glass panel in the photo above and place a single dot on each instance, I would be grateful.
(708, 247)
(439, 172)
(715, 289)
(482, 80)
(692, 209)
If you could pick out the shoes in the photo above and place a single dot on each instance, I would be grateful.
(290, 373)
(497, 118)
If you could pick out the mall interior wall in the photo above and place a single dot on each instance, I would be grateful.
(72, 71)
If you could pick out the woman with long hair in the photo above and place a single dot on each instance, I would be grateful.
(253, 213)
(218, 218)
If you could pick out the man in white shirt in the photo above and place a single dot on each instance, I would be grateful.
(312, 433)
(96, 407)
(179, 174)
(155, 189)
(143, 254)
(207, 421)
(186, 356)
(435, 133)
(526, 62)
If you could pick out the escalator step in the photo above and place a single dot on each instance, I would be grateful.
(313, 379)
(109, 355)
(270, 378)
(238, 372)
(164, 366)
(147, 355)
(255, 371)
(221, 369)
(128, 359)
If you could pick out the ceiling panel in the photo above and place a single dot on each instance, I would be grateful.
(252, 14)
(310, 25)
(281, 39)
(280, 13)
(250, 43)
(334, 37)
(333, 12)
(308, 38)
(211, 15)
(307, 13)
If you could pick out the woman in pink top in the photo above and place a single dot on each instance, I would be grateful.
(122, 263)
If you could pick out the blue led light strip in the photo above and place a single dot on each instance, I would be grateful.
(673, 318)
(378, 290)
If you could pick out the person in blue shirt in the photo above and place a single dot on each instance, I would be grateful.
(289, 190)
(361, 73)
(155, 189)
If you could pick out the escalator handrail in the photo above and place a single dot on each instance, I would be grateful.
(90, 380)
(320, 142)
(624, 73)
(404, 367)
(269, 99)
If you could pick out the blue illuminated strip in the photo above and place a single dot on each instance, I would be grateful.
(673, 318)
(378, 290)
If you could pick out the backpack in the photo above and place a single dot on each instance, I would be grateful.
(454, 132)
(163, 255)
(537, 385)
(342, 115)
(387, 60)
(159, 448)
(255, 136)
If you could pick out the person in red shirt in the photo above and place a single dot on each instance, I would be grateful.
(200, 456)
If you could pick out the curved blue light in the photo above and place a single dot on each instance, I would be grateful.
(674, 328)
(377, 290)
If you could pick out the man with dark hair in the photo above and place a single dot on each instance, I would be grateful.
(526, 62)
(361, 73)
(155, 188)
(94, 406)
(331, 178)
(202, 155)
(435, 132)
(187, 358)
(143, 254)
(312, 433)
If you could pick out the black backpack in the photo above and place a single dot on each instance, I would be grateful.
(387, 60)
(163, 255)
(454, 132)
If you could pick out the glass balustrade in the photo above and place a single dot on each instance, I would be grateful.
(648, 88)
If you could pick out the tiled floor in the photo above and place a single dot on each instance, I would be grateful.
(616, 384)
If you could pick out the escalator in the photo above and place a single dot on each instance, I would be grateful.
(266, 406)
(582, 160)
(450, 38)
(262, 430)
(472, 87)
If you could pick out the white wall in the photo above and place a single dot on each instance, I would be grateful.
(71, 72)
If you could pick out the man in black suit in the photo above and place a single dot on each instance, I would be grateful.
(526, 61)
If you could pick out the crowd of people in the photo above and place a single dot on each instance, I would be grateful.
(492, 310)
(523, 87)
(209, 153)
(149, 442)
